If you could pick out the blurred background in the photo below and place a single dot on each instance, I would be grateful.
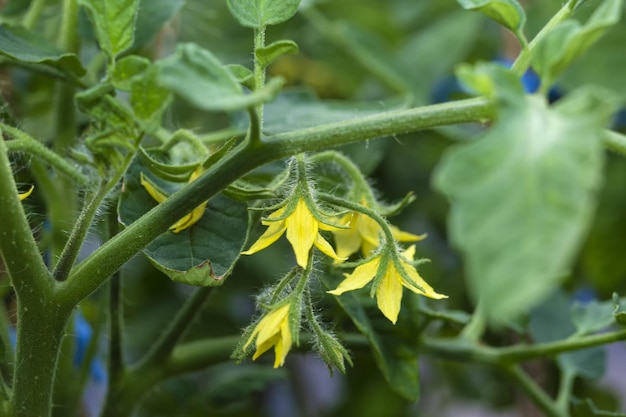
(357, 57)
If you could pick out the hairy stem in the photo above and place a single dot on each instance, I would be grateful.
(97, 268)
(27, 144)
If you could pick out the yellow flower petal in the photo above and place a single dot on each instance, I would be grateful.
(27, 193)
(347, 241)
(402, 236)
(273, 330)
(283, 345)
(302, 229)
(271, 235)
(415, 277)
(359, 278)
(156, 194)
(326, 249)
(389, 294)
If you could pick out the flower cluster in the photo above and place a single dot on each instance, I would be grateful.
(357, 227)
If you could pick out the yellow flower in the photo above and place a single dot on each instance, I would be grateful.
(272, 330)
(398, 273)
(365, 233)
(302, 232)
(27, 193)
(187, 221)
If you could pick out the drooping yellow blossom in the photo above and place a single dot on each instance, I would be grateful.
(365, 233)
(389, 291)
(27, 193)
(272, 330)
(185, 222)
(302, 232)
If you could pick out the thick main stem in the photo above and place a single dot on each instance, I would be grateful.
(39, 336)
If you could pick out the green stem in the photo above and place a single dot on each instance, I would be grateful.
(77, 237)
(475, 329)
(519, 353)
(97, 268)
(565, 391)
(164, 346)
(41, 320)
(525, 57)
(259, 72)
(466, 350)
(188, 357)
(534, 392)
(33, 13)
(17, 244)
(26, 143)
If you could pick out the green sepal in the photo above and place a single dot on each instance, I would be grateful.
(242, 190)
(332, 352)
(570, 39)
(260, 13)
(509, 13)
(28, 47)
(268, 54)
(201, 255)
(396, 208)
(196, 75)
(219, 154)
(153, 159)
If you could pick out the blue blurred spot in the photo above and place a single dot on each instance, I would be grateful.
(84, 333)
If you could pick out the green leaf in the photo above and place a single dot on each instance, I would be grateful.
(592, 316)
(394, 347)
(260, 13)
(98, 103)
(570, 40)
(197, 76)
(490, 79)
(113, 22)
(269, 53)
(151, 17)
(28, 47)
(509, 13)
(588, 363)
(618, 313)
(202, 255)
(523, 195)
(244, 75)
(551, 322)
(126, 69)
(148, 99)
